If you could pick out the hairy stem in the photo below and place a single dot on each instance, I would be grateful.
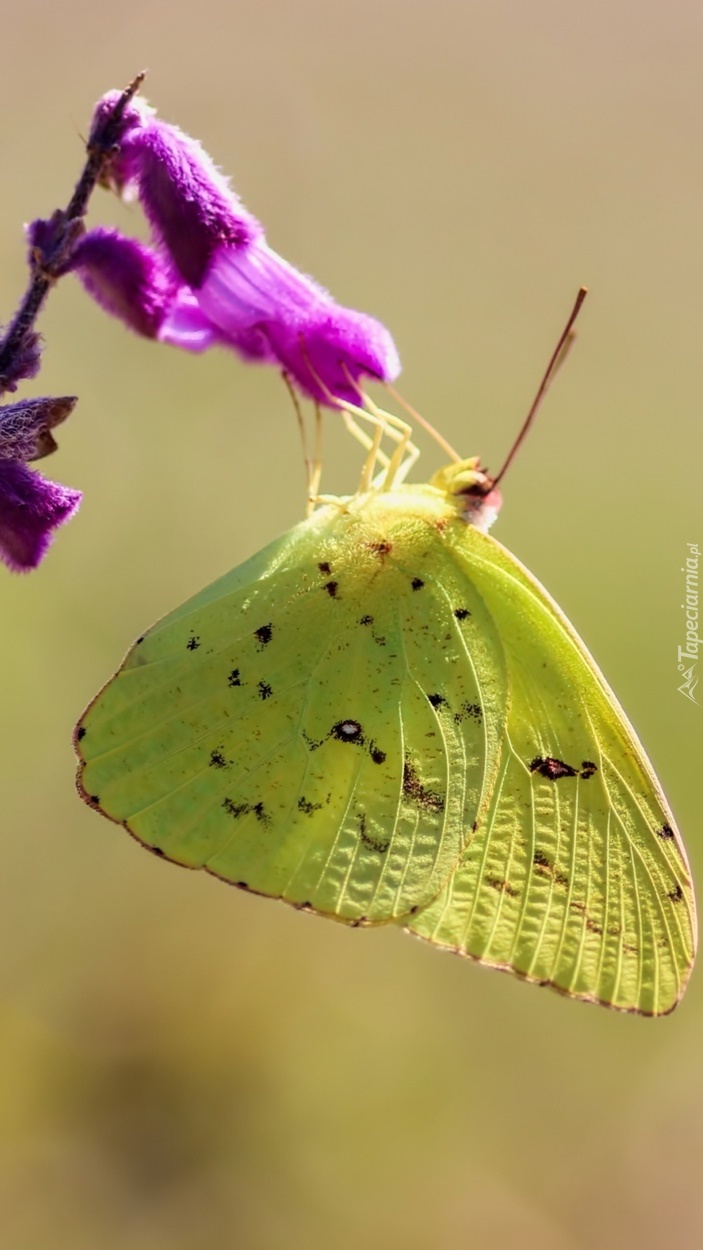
(64, 229)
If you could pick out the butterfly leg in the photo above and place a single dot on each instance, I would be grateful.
(366, 441)
(406, 449)
(379, 421)
(412, 454)
(312, 467)
(316, 469)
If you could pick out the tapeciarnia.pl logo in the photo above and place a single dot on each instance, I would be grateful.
(688, 655)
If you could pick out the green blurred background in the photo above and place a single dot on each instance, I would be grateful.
(185, 1066)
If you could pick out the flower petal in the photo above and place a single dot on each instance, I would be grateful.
(127, 278)
(31, 507)
(324, 347)
(187, 326)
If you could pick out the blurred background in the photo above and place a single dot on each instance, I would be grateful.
(185, 1066)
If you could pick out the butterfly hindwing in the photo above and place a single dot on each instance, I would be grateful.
(576, 877)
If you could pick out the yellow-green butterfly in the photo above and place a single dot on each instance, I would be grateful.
(384, 718)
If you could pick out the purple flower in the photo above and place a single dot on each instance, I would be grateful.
(31, 507)
(131, 281)
(25, 362)
(211, 277)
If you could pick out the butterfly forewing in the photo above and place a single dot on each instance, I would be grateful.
(576, 877)
(289, 730)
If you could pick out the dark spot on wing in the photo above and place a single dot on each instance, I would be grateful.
(265, 690)
(95, 798)
(217, 760)
(373, 844)
(377, 755)
(80, 733)
(592, 925)
(676, 895)
(324, 566)
(237, 810)
(474, 826)
(416, 792)
(461, 613)
(193, 642)
(588, 768)
(331, 588)
(503, 887)
(140, 639)
(473, 710)
(234, 678)
(417, 583)
(366, 620)
(242, 885)
(542, 861)
(665, 832)
(156, 850)
(379, 639)
(311, 743)
(550, 768)
(304, 805)
(436, 699)
(380, 549)
(263, 635)
(347, 731)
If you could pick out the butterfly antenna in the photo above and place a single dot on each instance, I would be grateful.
(557, 359)
(422, 421)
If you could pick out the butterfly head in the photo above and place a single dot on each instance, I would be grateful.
(473, 491)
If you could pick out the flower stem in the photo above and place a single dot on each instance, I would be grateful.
(64, 229)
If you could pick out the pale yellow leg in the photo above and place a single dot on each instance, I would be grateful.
(310, 465)
(316, 474)
(383, 423)
(405, 454)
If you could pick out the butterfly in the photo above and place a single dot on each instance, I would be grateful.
(383, 718)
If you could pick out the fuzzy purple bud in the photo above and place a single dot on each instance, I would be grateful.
(31, 508)
(189, 204)
(134, 113)
(25, 362)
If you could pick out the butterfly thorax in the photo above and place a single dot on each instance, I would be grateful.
(460, 492)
